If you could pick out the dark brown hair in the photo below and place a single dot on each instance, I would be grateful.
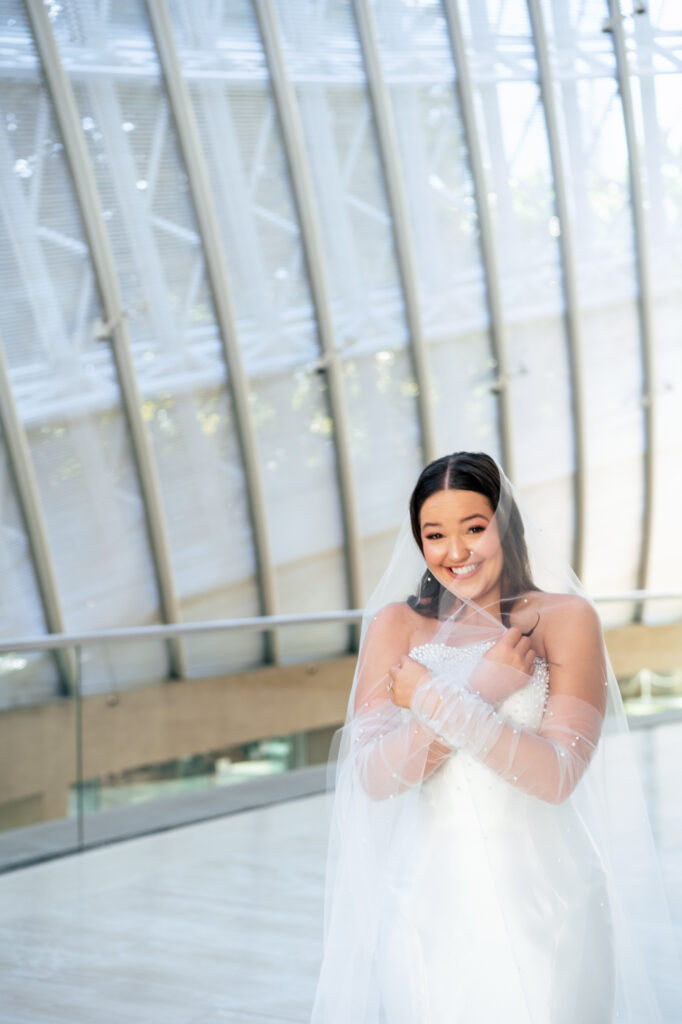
(470, 471)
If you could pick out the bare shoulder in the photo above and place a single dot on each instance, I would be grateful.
(571, 623)
(555, 620)
(394, 613)
(397, 615)
(396, 621)
(566, 608)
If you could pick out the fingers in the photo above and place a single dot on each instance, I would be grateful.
(516, 651)
(511, 637)
(513, 643)
(516, 640)
(525, 654)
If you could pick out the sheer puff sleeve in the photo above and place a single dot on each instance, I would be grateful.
(392, 749)
(547, 764)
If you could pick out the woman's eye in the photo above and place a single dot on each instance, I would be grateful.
(434, 536)
(476, 529)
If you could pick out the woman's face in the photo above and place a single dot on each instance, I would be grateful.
(461, 544)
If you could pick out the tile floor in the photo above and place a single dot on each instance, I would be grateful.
(213, 923)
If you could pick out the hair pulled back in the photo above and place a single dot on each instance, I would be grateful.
(470, 471)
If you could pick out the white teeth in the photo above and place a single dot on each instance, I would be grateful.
(465, 570)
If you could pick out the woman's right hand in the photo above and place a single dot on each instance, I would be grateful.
(505, 668)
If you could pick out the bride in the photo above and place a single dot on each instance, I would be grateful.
(490, 859)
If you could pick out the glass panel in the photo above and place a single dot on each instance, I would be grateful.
(176, 348)
(25, 676)
(596, 169)
(325, 65)
(63, 377)
(38, 772)
(166, 744)
(655, 54)
(296, 437)
(419, 71)
(222, 60)
(521, 194)
(380, 403)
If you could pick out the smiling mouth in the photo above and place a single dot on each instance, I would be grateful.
(464, 571)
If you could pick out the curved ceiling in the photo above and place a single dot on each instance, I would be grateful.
(262, 260)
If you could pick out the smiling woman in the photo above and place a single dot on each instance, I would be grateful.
(490, 856)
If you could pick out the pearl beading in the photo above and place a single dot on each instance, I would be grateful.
(525, 707)
(441, 653)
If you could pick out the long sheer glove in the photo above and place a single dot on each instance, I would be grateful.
(547, 764)
(393, 750)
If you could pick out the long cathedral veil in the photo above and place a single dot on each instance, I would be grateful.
(381, 771)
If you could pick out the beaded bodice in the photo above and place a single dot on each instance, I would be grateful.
(525, 707)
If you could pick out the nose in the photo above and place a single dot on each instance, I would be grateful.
(458, 551)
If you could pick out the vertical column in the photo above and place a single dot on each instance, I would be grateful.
(310, 233)
(216, 265)
(29, 502)
(498, 341)
(569, 277)
(115, 326)
(381, 106)
(614, 25)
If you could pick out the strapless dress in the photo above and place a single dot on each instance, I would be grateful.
(499, 911)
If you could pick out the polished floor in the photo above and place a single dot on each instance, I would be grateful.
(213, 923)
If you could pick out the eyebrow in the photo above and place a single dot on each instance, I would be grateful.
(476, 515)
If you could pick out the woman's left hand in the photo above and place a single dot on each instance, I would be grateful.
(404, 679)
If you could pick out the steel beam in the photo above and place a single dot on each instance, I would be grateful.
(115, 326)
(400, 218)
(498, 333)
(292, 134)
(569, 279)
(218, 273)
(28, 496)
(614, 25)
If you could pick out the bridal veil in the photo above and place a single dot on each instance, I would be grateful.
(550, 821)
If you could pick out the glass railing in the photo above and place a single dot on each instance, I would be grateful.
(92, 763)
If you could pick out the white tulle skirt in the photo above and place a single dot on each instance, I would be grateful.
(497, 910)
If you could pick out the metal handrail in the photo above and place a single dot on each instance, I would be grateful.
(53, 641)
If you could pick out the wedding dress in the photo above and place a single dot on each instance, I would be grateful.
(497, 914)
(490, 862)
